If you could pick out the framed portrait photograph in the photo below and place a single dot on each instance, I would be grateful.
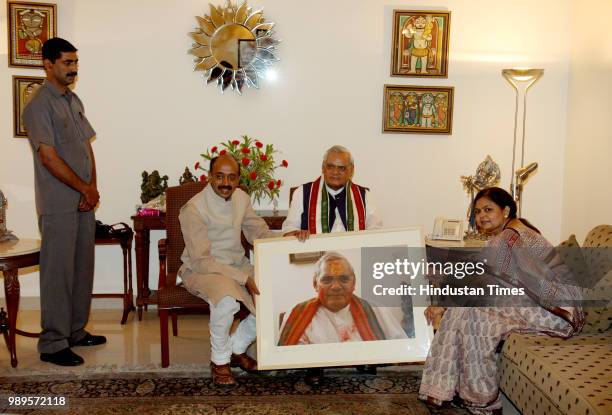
(418, 109)
(338, 310)
(23, 88)
(420, 43)
(29, 26)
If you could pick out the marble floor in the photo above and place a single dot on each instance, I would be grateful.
(133, 346)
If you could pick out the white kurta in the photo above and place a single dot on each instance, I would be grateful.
(214, 265)
(294, 216)
(337, 327)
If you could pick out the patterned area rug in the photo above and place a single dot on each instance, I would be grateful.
(274, 393)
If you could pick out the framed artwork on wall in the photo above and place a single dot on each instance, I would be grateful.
(23, 88)
(29, 26)
(420, 43)
(299, 301)
(418, 109)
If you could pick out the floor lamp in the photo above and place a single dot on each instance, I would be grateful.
(521, 80)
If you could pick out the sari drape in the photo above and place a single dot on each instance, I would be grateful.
(462, 359)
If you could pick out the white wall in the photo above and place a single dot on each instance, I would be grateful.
(587, 191)
(151, 112)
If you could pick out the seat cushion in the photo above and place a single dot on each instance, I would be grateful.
(178, 297)
(572, 376)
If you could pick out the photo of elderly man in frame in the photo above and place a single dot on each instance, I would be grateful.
(336, 314)
(332, 311)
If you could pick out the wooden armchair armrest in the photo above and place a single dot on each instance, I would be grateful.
(246, 245)
(161, 248)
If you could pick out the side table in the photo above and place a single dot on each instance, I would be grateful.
(125, 241)
(143, 225)
(14, 255)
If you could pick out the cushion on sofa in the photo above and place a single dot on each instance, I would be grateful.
(591, 266)
(597, 252)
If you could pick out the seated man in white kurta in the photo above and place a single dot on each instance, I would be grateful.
(332, 203)
(215, 268)
(337, 314)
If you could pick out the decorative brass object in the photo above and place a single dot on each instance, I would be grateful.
(487, 175)
(233, 46)
(3, 204)
(187, 177)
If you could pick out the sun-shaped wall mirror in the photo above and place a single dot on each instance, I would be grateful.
(233, 46)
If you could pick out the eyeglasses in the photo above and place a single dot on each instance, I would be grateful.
(342, 279)
(340, 168)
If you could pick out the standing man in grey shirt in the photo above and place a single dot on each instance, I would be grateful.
(66, 195)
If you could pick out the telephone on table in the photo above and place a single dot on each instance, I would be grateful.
(447, 229)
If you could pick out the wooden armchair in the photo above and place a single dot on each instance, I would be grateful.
(175, 299)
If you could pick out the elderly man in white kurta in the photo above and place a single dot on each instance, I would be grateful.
(215, 268)
(332, 203)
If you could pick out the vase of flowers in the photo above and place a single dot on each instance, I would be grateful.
(257, 166)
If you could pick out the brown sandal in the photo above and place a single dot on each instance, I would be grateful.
(244, 362)
(222, 375)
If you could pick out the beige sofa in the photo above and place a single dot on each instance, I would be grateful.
(542, 375)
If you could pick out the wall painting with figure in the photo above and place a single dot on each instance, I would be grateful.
(418, 109)
(420, 43)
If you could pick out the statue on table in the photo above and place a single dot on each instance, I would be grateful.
(5, 234)
(152, 185)
(187, 177)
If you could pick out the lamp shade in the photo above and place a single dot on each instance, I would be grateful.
(522, 76)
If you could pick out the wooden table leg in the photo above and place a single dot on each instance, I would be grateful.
(11, 292)
(128, 302)
(130, 290)
(142, 268)
(126, 305)
(4, 327)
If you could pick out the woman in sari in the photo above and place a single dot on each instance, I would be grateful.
(462, 364)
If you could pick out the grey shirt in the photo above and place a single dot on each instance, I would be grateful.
(58, 119)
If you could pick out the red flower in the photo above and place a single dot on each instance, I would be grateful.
(284, 163)
(271, 184)
(197, 166)
(235, 142)
(278, 183)
(222, 152)
(246, 161)
(203, 178)
(263, 157)
(258, 144)
(245, 150)
(253, 175)
(214, 149)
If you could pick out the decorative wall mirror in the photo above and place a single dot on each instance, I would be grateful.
(233, 46)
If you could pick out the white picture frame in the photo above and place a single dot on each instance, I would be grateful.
(283, 284)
